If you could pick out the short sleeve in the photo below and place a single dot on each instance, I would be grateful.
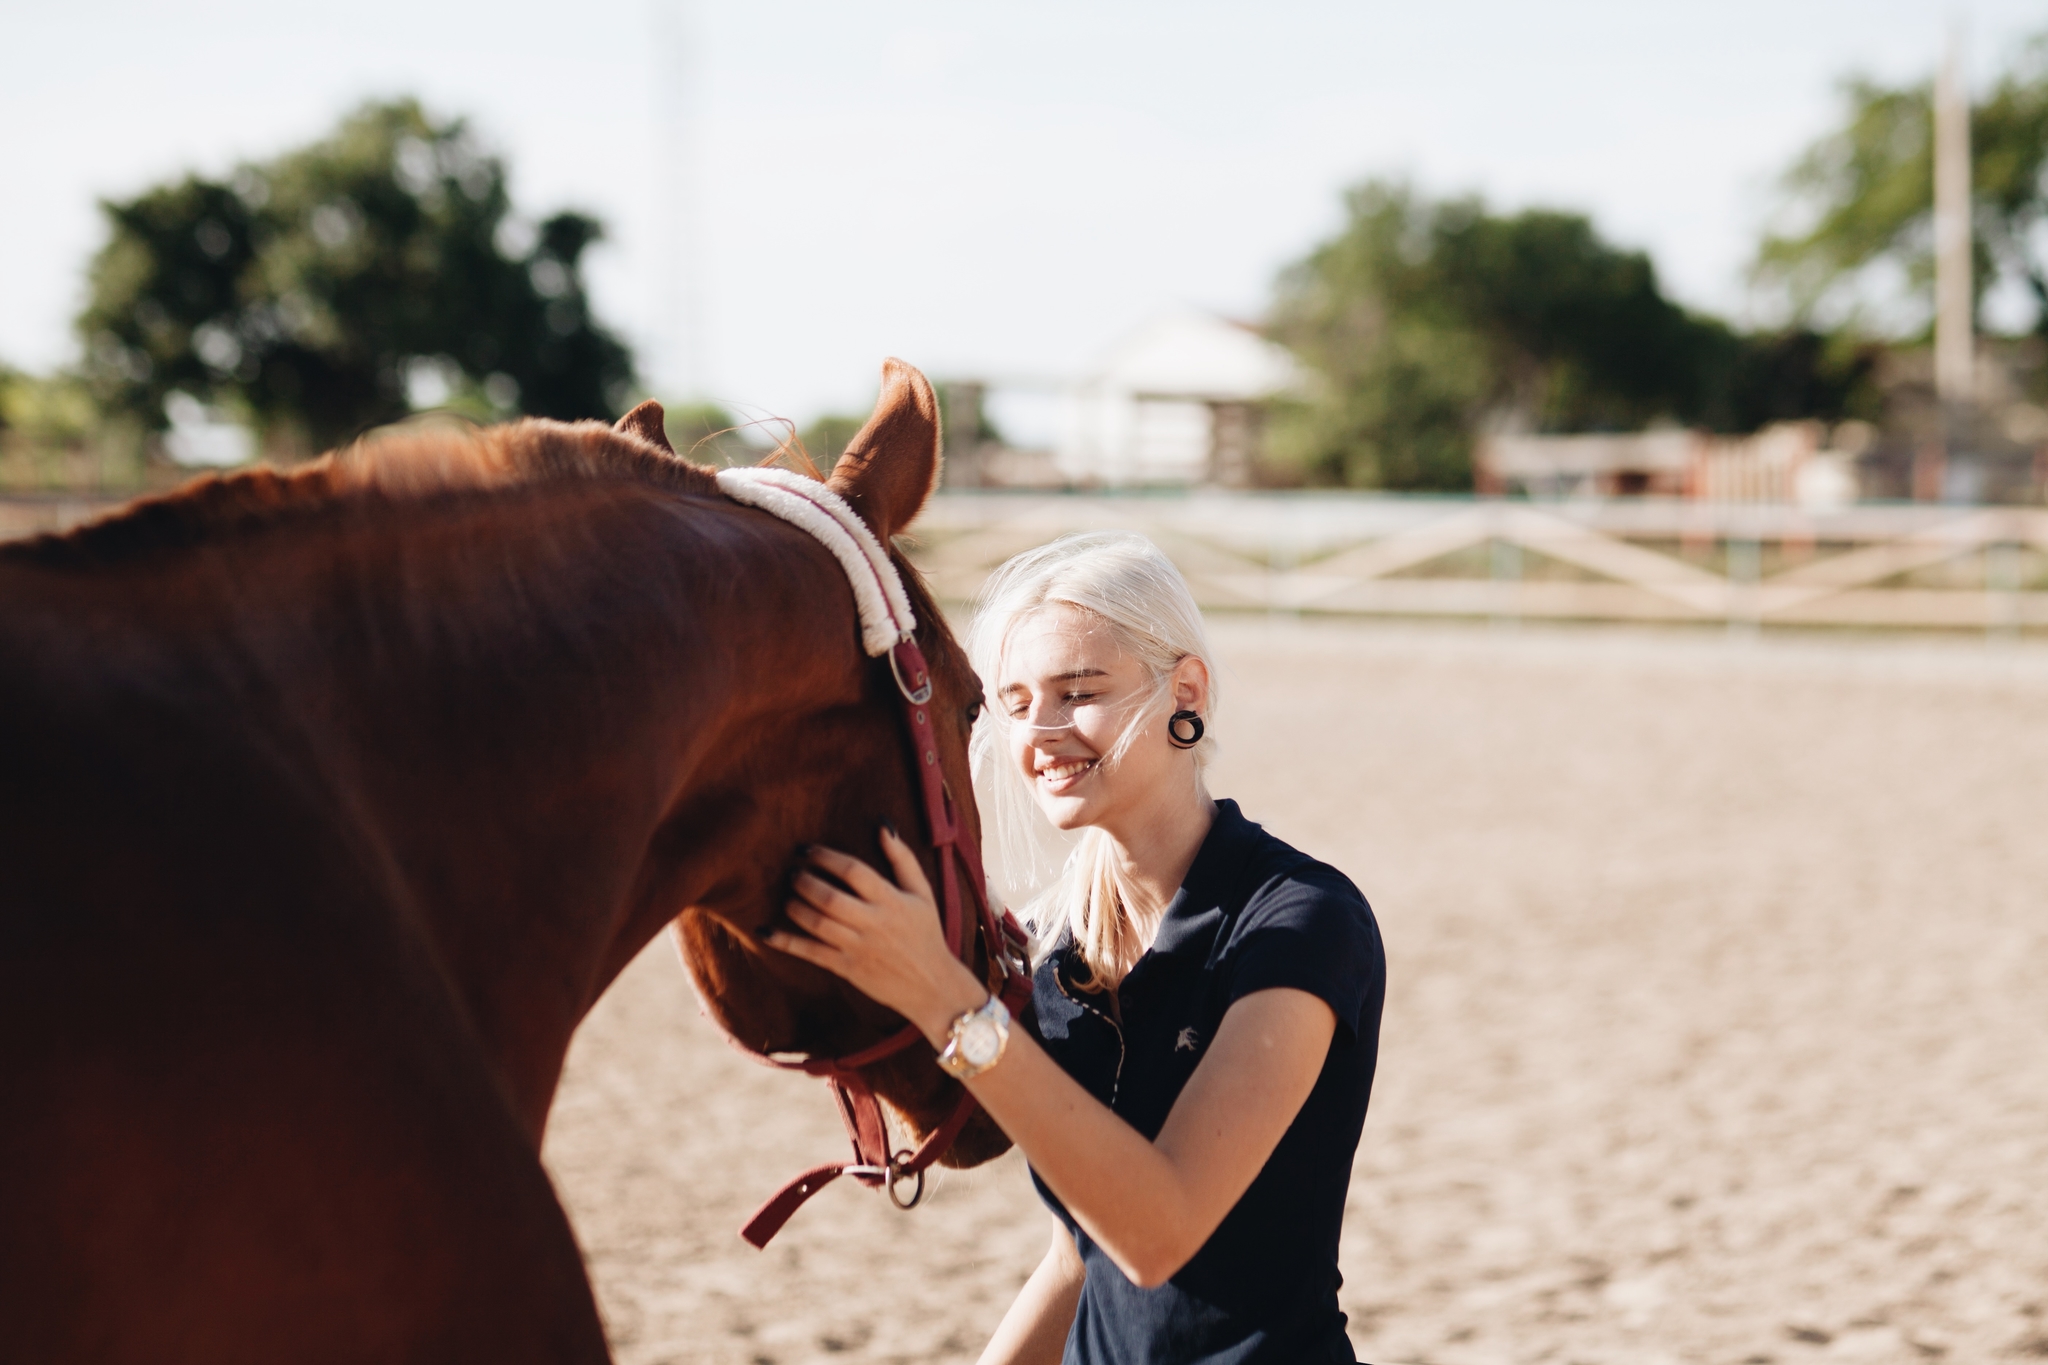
(1312, 931)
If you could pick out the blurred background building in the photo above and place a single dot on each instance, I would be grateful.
(1181, 400)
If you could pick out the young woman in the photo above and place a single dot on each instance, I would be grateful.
(1207, 1012)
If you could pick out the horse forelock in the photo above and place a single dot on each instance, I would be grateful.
(397, 465)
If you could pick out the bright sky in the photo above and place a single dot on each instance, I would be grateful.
(983, 189)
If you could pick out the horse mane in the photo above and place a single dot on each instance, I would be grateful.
(410, 464)
(403, 464)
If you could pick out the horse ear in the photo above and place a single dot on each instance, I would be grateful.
(649, 423)
(890, 468)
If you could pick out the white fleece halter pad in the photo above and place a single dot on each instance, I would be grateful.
(812, 507)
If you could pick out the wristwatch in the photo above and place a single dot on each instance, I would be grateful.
(977, 1042)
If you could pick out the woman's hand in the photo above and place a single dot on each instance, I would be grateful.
(883, 937)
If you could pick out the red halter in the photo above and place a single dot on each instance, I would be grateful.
(885, 615)
(873, 1163)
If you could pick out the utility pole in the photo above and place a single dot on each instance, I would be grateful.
(679, 229)
(1954, 289)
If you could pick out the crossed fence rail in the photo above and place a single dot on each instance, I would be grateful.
(1909, 565)
(1869, 566)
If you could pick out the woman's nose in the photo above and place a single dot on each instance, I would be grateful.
(1049, 716)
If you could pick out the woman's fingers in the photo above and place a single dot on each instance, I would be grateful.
(871, 886)
(909, 872)
(823, 894)
(860, 879)
(809, 949)
(821, 926)
(883, 936)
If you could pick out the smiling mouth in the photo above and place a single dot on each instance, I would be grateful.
(1066, 774)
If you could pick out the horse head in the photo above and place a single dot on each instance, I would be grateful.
(842, 766)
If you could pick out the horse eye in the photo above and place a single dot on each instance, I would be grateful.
(973, 712)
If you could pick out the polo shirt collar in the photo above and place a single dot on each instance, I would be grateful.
(1197, 911)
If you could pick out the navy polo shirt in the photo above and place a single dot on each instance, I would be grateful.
(1252, 914)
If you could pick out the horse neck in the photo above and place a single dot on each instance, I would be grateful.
(527, 691)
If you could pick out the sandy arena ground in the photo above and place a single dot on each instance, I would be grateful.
(1717, 1030)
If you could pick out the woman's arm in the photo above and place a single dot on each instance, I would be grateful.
(1149, 1205)
(1034, 1331)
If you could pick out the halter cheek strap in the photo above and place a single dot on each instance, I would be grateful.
(887, 628)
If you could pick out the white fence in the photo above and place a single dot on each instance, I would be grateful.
(1982, 568)
(1871, 566)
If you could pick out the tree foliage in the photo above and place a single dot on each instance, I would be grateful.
(710, 433)
(1425, 322)
(1865, 193)
(48, 411)
(311, 293)
(826, 436)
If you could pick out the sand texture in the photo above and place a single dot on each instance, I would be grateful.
(1717, 1027)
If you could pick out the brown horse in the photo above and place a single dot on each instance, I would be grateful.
(331, 801)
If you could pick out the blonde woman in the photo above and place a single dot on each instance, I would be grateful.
(1208, 1005)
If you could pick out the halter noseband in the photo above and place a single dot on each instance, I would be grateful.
(887, 629)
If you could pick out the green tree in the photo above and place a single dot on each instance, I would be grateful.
(1422, 322)
(1865, 193)
(825, 437)
(54, 411)
(54, 435)
(709, 433)
(312, 293)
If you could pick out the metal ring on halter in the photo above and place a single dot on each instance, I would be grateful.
(1189, 719)
(897, 1175)
(922, 694)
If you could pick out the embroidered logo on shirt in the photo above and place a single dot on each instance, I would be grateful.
(1188, 1041)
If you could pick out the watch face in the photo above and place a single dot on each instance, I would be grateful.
(979, 1042)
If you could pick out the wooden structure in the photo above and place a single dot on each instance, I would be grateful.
(1642, 560)
(1888, 566)
(1179, 401)
(1770, 466)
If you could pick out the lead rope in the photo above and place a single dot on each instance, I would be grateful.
(887, 629)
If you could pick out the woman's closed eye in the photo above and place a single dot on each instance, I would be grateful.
(1020, 708)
